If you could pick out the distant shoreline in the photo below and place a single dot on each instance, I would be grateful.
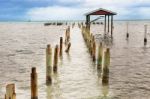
(69, 20)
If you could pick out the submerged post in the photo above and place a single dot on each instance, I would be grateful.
(34, 85)
(61, 46)
(10, 92)
(48, 64)
(55, 59)
(145, 35)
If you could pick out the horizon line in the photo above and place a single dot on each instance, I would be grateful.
(68, 20)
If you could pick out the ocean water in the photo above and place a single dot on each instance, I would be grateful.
(22, 46)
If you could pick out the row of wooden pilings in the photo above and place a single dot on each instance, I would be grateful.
(58, 52)
(102, 59)
(145, 33)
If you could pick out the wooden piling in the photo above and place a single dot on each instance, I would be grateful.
(99, 59)
(105, 77)
(48, 55)
(68, 47)
(34, 84)
(127, 35)
(55, 59)
(10, 92)
(145, 35)
(61, 46)
(48, 64)
(91, 44)
(94, 51)
(107, 58)
(66, 33)
(68, 36)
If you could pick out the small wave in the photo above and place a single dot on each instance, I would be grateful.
(11, 55)
(24, 52)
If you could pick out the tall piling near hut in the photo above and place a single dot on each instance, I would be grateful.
(10, 92)
(55, 64)
(61, 46)
(100, 55)
(34, 84)
(48, 64)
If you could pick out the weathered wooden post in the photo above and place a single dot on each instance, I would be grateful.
(34, 84)
(48, 64)
(145, 35)
(100, 55)
(91, 44)
(68, 47)
(10, 92)
(55, 59)
(68, 36)
(94, 51)
(127, 35)
(105, 77)
(61, 46)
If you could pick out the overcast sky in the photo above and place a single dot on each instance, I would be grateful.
(71, 9)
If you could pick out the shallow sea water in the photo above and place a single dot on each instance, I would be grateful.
(22, 46)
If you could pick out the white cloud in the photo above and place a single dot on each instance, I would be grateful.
(70, 1)
(124, 8)
(55, 13)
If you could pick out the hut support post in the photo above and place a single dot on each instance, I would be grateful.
(105, 26)
(111, 25)
(88, 22)
(108, 24)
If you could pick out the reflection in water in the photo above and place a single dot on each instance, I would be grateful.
(105, 74)
(56, 86)
(61, 60)
(49, 92)
(127, 40)
(105, 83)
(99, 72)
(53, 91)
(68, 57)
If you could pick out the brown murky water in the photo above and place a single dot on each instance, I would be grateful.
(22, 46)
